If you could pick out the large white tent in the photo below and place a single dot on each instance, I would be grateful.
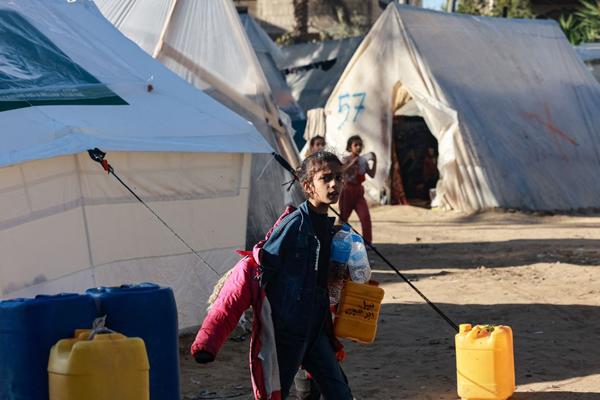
(270, 58)
(204, 42)
(69, 82)
(513, 108)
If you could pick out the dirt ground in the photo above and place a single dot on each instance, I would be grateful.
(538, 274)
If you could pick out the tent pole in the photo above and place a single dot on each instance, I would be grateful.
(163, 33)
(271, 118)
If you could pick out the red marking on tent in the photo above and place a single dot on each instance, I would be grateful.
(552, 129)
(549, 124)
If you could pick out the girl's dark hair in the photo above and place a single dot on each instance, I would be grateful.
(352, 139)
(314, 139)
(314, 163)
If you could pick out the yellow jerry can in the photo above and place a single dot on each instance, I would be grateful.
(358, 311)
(485, 367)
(109, 366)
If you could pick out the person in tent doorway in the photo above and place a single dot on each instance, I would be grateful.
(430, 171)
(292, 324)
(353, 196)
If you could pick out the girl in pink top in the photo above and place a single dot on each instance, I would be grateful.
(355, 168)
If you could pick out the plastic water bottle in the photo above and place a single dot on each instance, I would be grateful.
(341, 246)
(358, 262)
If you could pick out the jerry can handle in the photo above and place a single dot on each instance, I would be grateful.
(99, 326)
(474, 332)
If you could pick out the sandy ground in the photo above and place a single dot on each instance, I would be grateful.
(538, 274)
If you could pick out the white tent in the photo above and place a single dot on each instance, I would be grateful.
(204, 42)
(270, 57)
(69, 82)
(590, 54)
(313, 69)
(513, 109)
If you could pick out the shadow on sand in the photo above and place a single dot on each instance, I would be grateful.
(474, 254)
(551, 343)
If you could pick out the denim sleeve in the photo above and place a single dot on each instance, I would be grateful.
(275, 250)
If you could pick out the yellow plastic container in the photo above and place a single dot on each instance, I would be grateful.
(110, 366)
(485, 367)
(358, 311)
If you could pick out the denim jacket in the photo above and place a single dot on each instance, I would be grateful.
(290, 262)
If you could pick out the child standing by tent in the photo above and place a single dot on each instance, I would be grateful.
(353, 195)
(292, 322)
(315, 144)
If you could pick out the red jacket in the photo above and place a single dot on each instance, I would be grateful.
(240, 291)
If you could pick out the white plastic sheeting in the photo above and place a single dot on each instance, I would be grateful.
(270, 56)
(204, 42)
(514, 110)
(313, 69)
(65, 225)
(170, 117)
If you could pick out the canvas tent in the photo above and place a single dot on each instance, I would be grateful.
(204, 42)
(313, 69)
(69, 82)
(512, 132)
(270, 57)
(590, 54)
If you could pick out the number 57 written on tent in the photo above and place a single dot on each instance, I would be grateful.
(346, 102)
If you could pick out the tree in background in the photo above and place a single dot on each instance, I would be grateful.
(583, 25)
(579, 27)
(300, 20)
(345, 26)
(589, 18)
(515, 8)
(345, 23)
(473, 7)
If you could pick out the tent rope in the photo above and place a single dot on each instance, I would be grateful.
(289, 168)
(98, 155)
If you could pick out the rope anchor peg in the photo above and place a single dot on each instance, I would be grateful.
(98, 155)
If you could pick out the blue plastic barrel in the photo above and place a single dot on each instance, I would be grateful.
(147, 311)
(28, 329)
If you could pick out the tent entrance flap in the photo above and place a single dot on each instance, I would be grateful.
(414, 152)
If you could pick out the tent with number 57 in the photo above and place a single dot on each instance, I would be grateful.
(513, 108)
